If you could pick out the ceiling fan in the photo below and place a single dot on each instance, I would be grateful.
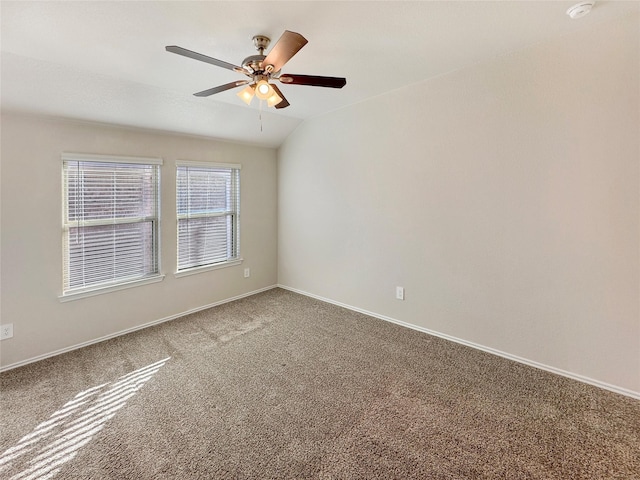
(260, 69)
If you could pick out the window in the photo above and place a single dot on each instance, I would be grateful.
(208, 198)
(110, 221)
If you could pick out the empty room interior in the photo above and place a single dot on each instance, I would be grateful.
(347, 239)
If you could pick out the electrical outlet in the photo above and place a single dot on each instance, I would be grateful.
(6, 331)
(247, 272)
(400, 293)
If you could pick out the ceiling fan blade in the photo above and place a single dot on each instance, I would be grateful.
(283, 103)
(313, 80)
(286, 47)
(221, 88)
(203, 58)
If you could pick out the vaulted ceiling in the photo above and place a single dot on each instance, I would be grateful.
(106, 61)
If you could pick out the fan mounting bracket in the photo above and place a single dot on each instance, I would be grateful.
(261, 42)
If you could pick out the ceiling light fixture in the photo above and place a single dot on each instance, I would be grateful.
(263, 89)
(274, 99)
(580, 9)
(247, 93)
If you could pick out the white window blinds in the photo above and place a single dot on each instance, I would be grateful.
(111, 217)
(208, 203)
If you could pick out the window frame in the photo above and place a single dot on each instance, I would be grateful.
(231, 261)
(125, 282)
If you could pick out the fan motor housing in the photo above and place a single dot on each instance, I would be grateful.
(254, 62)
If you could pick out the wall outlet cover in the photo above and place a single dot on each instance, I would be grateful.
(6, 331)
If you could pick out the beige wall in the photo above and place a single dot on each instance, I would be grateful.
(31, 242)
(503, 197)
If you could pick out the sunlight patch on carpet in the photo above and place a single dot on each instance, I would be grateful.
(74, 425)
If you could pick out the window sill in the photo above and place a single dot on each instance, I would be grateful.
(67, 297)
(207, 268)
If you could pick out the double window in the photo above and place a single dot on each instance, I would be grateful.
(207, 201)
(111, 220)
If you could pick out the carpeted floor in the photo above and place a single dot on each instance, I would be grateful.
(279, 385)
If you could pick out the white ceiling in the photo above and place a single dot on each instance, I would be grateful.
(106, 62)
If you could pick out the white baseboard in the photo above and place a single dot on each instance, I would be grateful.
(515, 358)
(133, 329)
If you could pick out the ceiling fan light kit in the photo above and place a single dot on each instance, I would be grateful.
(274, 99)
(263, 89)
(260, 69)
(247, 93)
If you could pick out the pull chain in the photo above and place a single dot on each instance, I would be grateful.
(260, 116)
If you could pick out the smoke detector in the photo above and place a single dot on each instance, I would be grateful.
(580, 9)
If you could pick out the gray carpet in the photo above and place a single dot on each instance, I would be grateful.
(279, 385)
